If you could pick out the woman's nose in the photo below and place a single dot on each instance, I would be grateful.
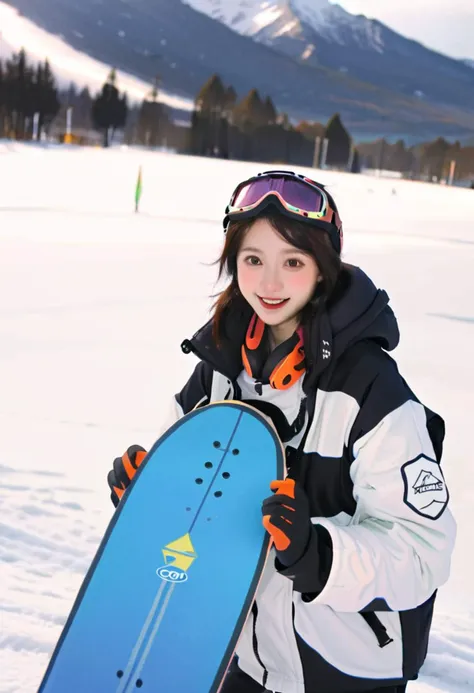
(271, 283)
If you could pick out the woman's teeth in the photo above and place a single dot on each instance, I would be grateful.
(273, 301)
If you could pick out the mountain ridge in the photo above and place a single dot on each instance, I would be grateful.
(319, 33)
(185, 46)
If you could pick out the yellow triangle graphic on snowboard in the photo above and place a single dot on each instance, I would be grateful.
(180, 553)
(181, 545)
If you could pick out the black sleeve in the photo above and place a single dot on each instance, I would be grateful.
(311, 572)
(197, 391)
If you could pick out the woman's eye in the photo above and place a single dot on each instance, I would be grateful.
(252, 260)
(294, 262)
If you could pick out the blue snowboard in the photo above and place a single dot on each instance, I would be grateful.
(168, 593)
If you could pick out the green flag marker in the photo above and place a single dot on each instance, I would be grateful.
(138, 190)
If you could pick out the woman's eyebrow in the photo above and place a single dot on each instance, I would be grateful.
(250, 249)
(290, 251)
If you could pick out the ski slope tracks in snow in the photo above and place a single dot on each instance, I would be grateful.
(94, 303)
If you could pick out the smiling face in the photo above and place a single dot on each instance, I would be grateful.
(275, 278)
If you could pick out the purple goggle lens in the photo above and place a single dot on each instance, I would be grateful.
(294, 192)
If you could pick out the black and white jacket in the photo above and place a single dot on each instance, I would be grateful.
(355, 612)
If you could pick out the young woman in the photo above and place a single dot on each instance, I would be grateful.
(363, 539)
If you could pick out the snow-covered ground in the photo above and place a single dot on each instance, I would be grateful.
(94, 302)
(69, 64)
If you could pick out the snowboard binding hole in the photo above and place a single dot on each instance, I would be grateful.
(218, 494)
(139, 683)
(119, 674)
(226, 475)
(236, 451)
(199, 481)
(216, 444)
(208, 465)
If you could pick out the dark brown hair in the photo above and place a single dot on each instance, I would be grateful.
(313, 241)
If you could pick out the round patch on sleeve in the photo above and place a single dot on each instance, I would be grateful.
(425, 488)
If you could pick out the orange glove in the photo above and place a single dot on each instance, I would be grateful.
(286, 516)
(124, 469)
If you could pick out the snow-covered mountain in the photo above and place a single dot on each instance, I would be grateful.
(247, 17)
(311, 57)
(319, 33)
(272, 19)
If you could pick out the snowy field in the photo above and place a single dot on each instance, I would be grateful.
(94, 303)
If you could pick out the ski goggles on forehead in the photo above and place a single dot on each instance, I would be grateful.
(296, 196)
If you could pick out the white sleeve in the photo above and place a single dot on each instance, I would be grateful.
(173, 415)
(398, 546)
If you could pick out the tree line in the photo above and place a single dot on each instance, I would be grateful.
(30, 101)
(26, 91)
(253, 129)
(222, 125)
(428, 160)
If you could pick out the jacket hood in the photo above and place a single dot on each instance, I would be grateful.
(362, 312)
(358, 312)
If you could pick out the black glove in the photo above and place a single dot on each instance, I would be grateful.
(120, 477)
(286, 516)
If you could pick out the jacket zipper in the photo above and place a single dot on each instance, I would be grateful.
(255, 644)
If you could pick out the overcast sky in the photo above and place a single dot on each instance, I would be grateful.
(446, 25)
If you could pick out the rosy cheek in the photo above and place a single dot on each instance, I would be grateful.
(299, 280)
(247, 276)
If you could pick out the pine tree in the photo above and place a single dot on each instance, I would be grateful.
(230, 99)
(152, 119)
(211, 98)
(435, 158)
(340, 143)
(70, 96)
(250, 113)
(210, 108)
(83, 108)
(46, 100)
(399, 158)
(19, 93)
(109, 109)
(269, 111)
